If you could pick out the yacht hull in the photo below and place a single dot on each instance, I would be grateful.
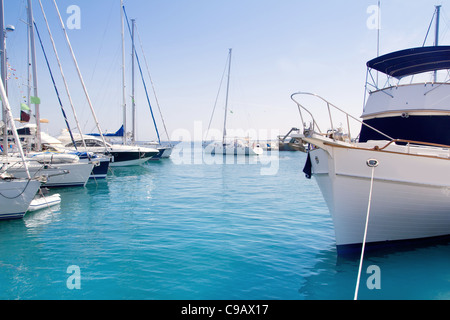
(100, 169)
(163, 153)
(131, 158)
(410, 196)
(15, 197)
(58, 175)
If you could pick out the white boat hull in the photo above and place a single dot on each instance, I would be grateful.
(58, 175)
(124, 156)
(101, 165)
(120, 155)
(163, 151)
(135, 161)
(16, 196)
(410, 198)
(166, 152)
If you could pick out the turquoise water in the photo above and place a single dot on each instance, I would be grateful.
(189, 230)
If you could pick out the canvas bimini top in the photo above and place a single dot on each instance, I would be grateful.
(412, 61)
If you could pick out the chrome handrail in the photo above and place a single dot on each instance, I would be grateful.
(418, 143)
(314, 123)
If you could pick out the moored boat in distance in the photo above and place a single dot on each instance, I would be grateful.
(164, 151)
(121, 155)
(229, 146)
(291, 141)
(55, 153)
(237, 147)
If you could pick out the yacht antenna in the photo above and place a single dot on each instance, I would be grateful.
(3, 76)
(378, 30)
(378, 34)
(124, 101)
(436, 35)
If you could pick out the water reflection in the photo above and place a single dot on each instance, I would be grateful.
(409, 273)
(42, 217)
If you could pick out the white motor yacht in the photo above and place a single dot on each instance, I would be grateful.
(395, 175)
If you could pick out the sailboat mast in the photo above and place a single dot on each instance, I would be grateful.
(35, 83)
(3, 76)
(6, 108)
(133, 104)
(226, 99)
(9, 119)
(69, 96)
(80, 75)
(436, 35)
(29, 31)
(124, 98)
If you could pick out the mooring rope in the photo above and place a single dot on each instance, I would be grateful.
(371, 163)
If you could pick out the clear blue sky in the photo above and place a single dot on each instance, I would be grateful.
(279, 47)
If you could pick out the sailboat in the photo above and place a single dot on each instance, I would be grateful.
(164, 151)
(119, 155)
(15, 194)
(235, 146)
(61, 170)
(100, 163)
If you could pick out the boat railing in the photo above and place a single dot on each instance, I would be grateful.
(415, 143)
(433, 85)
(333, 132)
(336, 134)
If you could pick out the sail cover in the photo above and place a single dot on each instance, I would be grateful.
(118, 133)
(412, 61)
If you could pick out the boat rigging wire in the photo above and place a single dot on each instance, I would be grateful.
(63, 77)
(142, 76)
(56, 89)
(217, 97)
(429, 27)
(80, 76)
(153, 86)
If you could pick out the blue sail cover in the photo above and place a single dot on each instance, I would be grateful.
(412, 61)
(118, 133)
